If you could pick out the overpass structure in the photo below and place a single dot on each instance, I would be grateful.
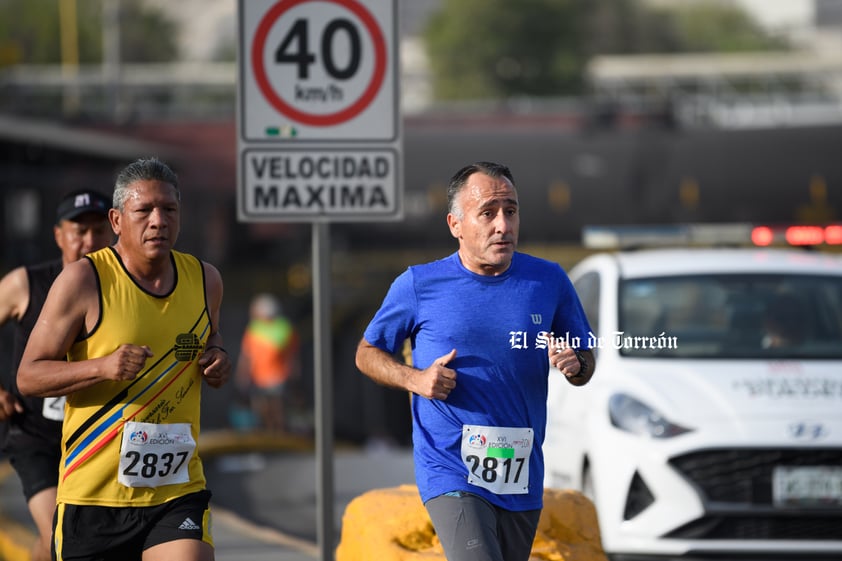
(760, 89)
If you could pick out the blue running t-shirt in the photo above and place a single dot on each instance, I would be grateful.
(499, 326)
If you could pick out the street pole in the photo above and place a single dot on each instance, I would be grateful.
(323, 388)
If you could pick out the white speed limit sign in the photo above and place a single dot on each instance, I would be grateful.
(318, 70)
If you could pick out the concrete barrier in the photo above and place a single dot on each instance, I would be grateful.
(392, 525)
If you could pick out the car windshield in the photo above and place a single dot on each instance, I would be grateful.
(731, 316)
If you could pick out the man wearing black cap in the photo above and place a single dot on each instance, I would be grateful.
(33, 438)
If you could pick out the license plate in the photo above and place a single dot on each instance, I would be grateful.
(807, 486)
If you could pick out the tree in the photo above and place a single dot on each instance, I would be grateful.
(719, 27)
(30, 32)
(481, 49)
(146, 34)
(542, 47)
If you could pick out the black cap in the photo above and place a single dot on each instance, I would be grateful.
(78, 203)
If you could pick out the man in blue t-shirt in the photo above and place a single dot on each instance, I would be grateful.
(485, 325)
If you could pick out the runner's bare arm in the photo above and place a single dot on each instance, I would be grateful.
(214, 362)
(14, 298)
(434, 382)
(14, 295)
(71, 309)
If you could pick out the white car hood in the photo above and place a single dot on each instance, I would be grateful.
(745, 389)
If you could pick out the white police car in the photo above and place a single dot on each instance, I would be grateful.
(713, 423)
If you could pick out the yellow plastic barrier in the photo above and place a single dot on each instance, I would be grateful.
(392, 525)
(15, 540)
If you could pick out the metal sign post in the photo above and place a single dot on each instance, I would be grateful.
(319, 140)
(323, 388)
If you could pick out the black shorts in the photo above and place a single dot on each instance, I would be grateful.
(36, 463)
(99, 533)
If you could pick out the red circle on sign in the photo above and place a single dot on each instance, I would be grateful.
(275, 100)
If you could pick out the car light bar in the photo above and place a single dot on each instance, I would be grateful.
(605, 237)
(630, 236)
(801, 234)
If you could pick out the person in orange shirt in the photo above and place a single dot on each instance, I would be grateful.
(268, 359)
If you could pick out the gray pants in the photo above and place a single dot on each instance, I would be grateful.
(472, 529)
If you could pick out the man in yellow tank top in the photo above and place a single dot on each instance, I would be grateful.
(138, 323)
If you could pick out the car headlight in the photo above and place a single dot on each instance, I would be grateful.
(629, 414)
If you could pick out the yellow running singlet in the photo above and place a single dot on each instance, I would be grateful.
(134, 442)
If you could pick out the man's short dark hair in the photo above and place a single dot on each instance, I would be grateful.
(459, 178)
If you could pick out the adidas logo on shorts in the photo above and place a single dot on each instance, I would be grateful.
(188, 524)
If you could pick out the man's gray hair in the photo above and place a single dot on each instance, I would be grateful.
(144, 169)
